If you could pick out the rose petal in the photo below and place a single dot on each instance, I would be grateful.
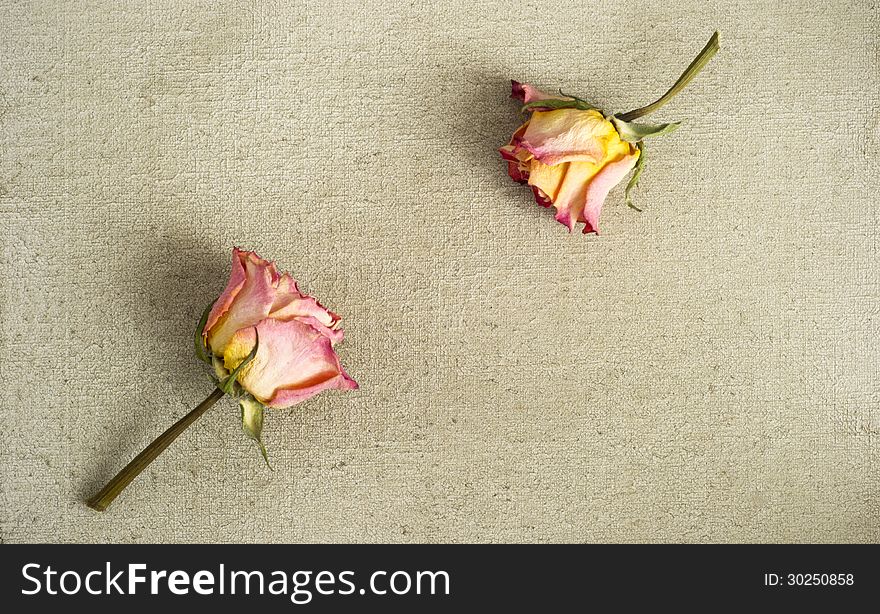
(518, 162)
(518, 159)
(547, 178)
(541, 198)
(513, 151)
(528, 93)
(236, 281)
(571, 135)
(247, 299)
(517, 172)
(610, 175)
(287, 397)
(335, 335)
(570, 199)
(291, 304)
(293, 362)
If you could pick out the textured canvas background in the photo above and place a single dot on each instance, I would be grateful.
(705, 370)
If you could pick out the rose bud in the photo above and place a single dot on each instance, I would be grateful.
(571, 153)
(270, 346)
(570, 157)
(295, 359)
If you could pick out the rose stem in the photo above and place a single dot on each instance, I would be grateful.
(690, 72)
(102, 500)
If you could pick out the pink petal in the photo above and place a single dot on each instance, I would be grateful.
(518, 159)
(513, 151)
(508, 152)
(610, 175)
(247, 299)
(291, 396)
(569, 200)
(294, 362)
(541, 198)
(568, 135)
(518, 162)
(528, 93)
(291, 304)
(236, 281)
(517, 172)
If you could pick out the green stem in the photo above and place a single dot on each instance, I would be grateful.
(102, 500)
(690, 72)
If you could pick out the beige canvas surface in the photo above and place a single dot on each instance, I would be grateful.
(706, 370)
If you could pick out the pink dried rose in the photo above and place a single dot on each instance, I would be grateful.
(570, 157)
(572, 154)
(295, 359)
(269, 345)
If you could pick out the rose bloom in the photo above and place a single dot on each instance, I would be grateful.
(571, 158)
(295, 359)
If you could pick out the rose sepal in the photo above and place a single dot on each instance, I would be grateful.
(633, 132)
(637, 173)
(551, 104)
(202, 351)
(252, 422)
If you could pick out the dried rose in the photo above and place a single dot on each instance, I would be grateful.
(572, 154)
(295, 359)
(270, 346)
(571, 158)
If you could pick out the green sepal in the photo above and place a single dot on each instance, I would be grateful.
(632, 132)
(637, 172)
(582, 104)
(201, 349)
(252, 423)
(554, 103)
(228, 385)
